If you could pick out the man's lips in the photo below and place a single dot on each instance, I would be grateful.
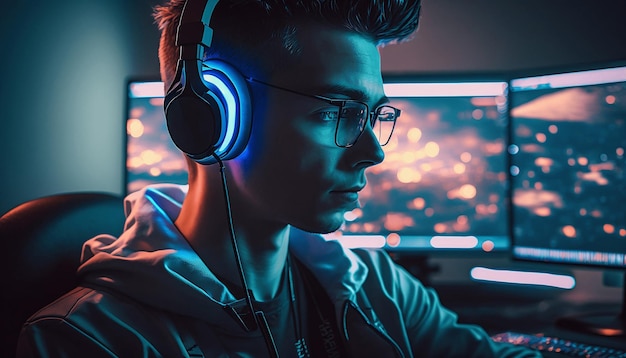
(352, 189)
(348, 195)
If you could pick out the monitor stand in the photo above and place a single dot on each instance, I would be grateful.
(604, 324)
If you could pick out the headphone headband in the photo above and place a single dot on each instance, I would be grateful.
(194, 25)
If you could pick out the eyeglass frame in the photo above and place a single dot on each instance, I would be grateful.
(341, 103)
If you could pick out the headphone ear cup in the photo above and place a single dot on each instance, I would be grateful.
(192, 121)
(208, 113)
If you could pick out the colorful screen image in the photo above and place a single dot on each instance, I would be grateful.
(443, 184)
(568, 167)
(151, 156)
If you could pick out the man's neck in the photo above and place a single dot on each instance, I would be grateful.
(262, 247)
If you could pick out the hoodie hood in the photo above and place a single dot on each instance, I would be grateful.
(152, 262)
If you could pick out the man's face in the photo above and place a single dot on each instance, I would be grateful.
(292, 172)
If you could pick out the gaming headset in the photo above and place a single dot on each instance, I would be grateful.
(208, 114)
(207, 107)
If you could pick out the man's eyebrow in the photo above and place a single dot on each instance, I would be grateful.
(351, 93)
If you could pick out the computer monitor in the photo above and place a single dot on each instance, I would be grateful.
(151, 156)
(568, 172)
(441, 188)
(443, 184)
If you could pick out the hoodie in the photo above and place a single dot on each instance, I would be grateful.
(148, 294)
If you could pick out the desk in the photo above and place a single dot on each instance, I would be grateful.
(522, 309)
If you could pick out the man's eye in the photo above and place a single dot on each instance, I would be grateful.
(328, 115)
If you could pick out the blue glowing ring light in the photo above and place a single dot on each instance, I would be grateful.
(237, 116)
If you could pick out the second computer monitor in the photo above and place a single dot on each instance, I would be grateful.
(568, 167)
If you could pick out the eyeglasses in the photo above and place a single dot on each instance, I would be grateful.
(352, 117)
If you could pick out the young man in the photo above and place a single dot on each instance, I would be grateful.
(195, 262)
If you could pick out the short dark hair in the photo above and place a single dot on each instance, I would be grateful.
(243, 29)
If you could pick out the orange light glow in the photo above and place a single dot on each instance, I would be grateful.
(610, 99)
(409, 157)
(150, 157)
(543, 211)
(608, 228)
(544, 162)
(393, 240)
(398, 221)
(478, 114)
(409, 175)
(553, 129)
(418, 203)
(466, 157)
(459, 168)
(134, 128)
(353, 214)
(414, 135)
(134, 162)
(569, 231)
(488, 246)
(467, 191)
(484, 101)
(432, 149)
(540, 137)
(440, 228)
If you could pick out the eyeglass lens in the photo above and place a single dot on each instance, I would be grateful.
(353, 119)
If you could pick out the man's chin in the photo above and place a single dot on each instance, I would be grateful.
(324, 225)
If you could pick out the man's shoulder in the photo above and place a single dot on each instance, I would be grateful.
(384, 272)
(84, 301)
(374, 258)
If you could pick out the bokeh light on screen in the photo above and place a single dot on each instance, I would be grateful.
(151, 156)
(443, 182)
(568, 167)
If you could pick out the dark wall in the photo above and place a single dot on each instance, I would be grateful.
(64, 66)
(502, 36)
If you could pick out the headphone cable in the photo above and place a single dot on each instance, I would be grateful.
(258, 317)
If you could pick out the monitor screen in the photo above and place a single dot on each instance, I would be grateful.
(442, 186)
(151, 156)
(443, 183)
(568, 137)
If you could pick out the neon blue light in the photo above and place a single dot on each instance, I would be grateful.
(231, 110)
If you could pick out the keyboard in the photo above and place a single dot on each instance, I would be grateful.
(557, 347)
